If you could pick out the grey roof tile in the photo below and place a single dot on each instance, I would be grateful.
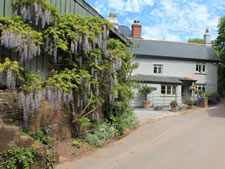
(174, 50)
(170, 49)
(125, 30)
(158, 79)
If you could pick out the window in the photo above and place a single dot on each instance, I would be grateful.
(201, 87)
(200, 68)
(168, 90)
(158, 69)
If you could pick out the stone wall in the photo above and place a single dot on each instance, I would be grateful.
(10, 137)
(45, 117)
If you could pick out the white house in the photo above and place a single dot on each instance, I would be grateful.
(172, 67)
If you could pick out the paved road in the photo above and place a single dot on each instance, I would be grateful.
(190, 141)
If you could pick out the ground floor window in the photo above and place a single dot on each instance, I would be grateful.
(200, 87)
(168, 89)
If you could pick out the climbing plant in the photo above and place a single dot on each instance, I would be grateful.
(87, 68)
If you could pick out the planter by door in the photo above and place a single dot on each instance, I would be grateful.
(146, 104)
(173, 109)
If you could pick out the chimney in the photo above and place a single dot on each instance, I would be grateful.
(113, 20)
(207, 37)
(136, 30)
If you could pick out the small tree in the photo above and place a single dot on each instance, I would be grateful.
(145, 90)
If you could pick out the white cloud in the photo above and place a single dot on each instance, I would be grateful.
(129, 5)
(181, 21)
(167, 19)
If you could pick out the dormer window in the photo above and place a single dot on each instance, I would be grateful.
(200, 68)
(158, 69)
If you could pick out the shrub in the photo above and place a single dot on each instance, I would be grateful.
(77, 143)
(42, 137)
(145, 90)
(102, 133)
(18, 158)
(93, 139)
(121, 116)
(105, 131)
(190, 102)
(173, 103)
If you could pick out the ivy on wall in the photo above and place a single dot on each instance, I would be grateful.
(88, 68)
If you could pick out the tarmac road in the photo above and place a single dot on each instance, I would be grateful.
(190, 141)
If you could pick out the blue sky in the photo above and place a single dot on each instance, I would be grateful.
(175, 20)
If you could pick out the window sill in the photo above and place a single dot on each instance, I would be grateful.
(200, 73)
(163, 95)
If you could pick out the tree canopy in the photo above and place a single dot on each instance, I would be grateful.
(196, 40)
(219, 45)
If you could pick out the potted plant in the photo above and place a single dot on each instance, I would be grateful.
(145, 90)
(173, 105)
(190, 103)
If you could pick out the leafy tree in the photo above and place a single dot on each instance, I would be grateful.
(196, 40)
(219, 45)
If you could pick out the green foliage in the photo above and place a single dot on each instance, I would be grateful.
(17, 26)
(86, 71)
(66, 79)
(31, 82)
(82, 121)
(173, 103)
(104, 131)
(121, 116)
(77, 143)
(49, 161)
(101, 133)
(43, 138)
(190, 102)
(219, 46)
(212, 96)
(92, 139)
(10, 65)
(145, 90)
(17, 158)
(196, 40)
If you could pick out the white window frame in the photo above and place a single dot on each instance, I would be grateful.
(171, 88)
(200, 68)
(201, 87)
(159, 68)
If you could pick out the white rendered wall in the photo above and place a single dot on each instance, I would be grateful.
(181, 68)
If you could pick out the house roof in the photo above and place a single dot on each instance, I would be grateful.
(170, 49)
(162, 79)
(125, 30)
(176, 50)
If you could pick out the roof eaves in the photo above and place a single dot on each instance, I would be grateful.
(178, 58)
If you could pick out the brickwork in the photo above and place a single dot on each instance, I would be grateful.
(136, 30)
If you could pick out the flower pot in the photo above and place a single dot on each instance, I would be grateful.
(173, 109)
(146, 104)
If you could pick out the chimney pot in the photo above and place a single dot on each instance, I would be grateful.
(113, 20)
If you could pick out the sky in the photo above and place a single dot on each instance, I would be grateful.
(173, 20)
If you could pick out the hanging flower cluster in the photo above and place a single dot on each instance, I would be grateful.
(29, 102)
(14, 34)
(12, 69)
(39, 12)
